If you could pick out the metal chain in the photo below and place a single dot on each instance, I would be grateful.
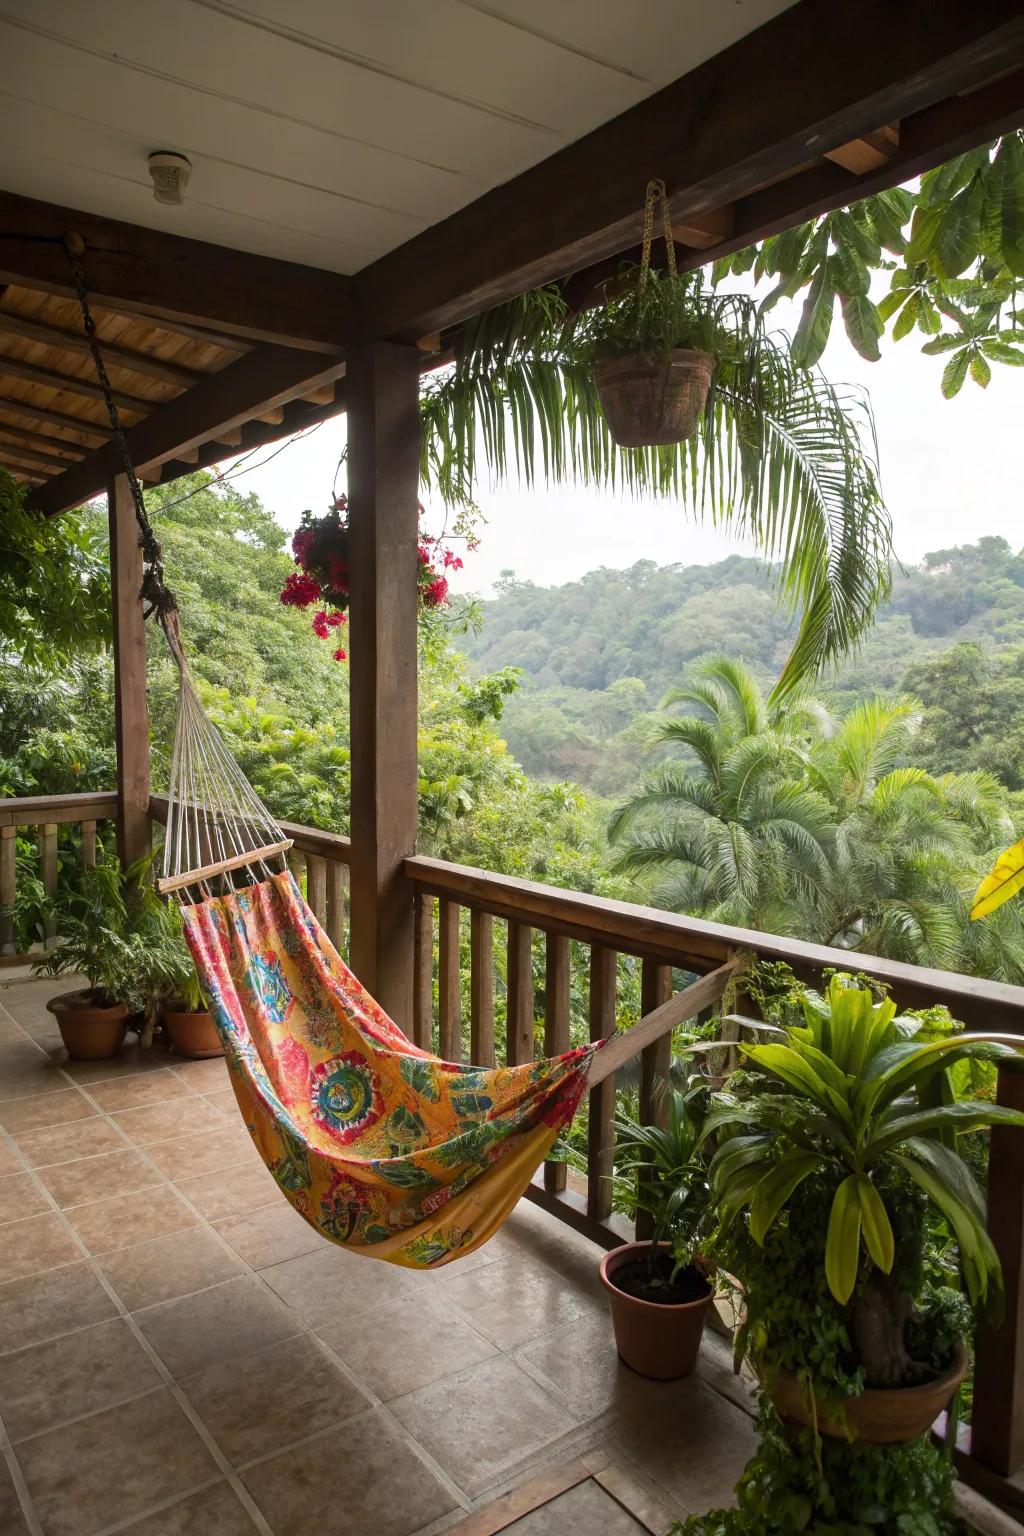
(155, 594)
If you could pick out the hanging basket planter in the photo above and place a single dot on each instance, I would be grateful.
(653, 402)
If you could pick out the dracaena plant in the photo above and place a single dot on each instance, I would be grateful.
(861, 1100)
(659, 1170)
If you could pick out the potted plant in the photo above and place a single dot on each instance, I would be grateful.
(97, 940)
(840, 1144)
(659, 1290)
(172, 987)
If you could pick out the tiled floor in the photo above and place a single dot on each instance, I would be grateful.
(180, 1353)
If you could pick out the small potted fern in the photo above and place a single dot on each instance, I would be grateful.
(659, 1290)
(97, 940)
(172, 985)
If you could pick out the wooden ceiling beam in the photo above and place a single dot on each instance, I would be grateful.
(29, 329)
(208, 337)
(37, 456)
(24, 458)
(43, 413)
(18, 368)
(816, 76)
(868, 153)
(147, 271)
(266, 379)
(10, 432)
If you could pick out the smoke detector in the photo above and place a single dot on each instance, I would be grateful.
(170, 172)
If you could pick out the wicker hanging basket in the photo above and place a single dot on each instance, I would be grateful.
(654, 401)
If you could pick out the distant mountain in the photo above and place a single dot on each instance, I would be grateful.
(599, 653)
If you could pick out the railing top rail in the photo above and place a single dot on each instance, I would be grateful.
(693, 943)
(41, 810)
(328, 845)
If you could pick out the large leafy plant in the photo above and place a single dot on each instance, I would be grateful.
(861, 1100)
(98, 937)
(779, 456)
(659, 1170)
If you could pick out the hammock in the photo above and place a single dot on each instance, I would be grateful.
(378, 1144)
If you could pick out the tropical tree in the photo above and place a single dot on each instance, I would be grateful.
(736, 829)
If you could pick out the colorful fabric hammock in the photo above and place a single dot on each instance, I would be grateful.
(378, 1144)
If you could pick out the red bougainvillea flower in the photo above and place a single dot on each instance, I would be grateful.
(300, 590)
(340, 655)
(437, 593)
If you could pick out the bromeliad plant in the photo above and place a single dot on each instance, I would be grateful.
(858, 1102)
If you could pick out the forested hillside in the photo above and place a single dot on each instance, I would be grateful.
(598, 655)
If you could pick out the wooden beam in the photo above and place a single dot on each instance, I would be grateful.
(813, 77)
(662, 1018)
(384, 438)
(131, 711)
(704, 229)
(10, 443)
(208, 337)
(52, 418)
(265, 378)
(29, 329)
(146, 271)
(997, 1419)
(33, 373)
(11, 433)
(868, 153)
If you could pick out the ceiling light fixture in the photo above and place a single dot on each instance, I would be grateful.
(170, 172)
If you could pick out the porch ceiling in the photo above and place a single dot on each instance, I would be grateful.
(387, 172)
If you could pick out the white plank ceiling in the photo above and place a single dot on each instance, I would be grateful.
(325, 131)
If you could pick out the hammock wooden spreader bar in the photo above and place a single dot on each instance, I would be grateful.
(660, 1021)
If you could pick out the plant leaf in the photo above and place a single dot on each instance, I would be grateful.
(878, 1233)
(863, 325)
(775, 1189)
(1004, 879)
(815, 321)
(842, 1244)
(954, 373)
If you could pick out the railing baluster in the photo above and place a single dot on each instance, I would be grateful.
(997, 1417)
(655, 1061)
(481, 989)
(336, 903)
(423, 972)
(601, 1133)
(88, 831)
(316, 886)
(48, 869)
(556, 1028)
(297, 865)
(519, 1012)
(8, 887)
(449, 982)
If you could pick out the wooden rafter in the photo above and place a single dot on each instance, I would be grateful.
(30, 329)
(45, 414)
(50, 450)
(34, 373)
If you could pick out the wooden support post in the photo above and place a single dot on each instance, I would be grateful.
(519, 1004)
(601, 1132)
(131, 710)
(336, 903)
(384, 450)
(449, 982)
(997, 1418)
(481, 989)
(8, 887)
(88, 832)
(423, 972)
(556, 1029)
(48, 873)
(655, 989)
(316, 886)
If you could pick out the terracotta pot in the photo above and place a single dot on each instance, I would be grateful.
(650, 402)
(879, 1415)
(654, 1339)
(192, 1034)
(89, 1033)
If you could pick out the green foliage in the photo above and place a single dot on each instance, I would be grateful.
(658, 1169)
(54, 589)
(779, 455)
(100, 937)
(954, 252)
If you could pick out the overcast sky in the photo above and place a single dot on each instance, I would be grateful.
(952, 471)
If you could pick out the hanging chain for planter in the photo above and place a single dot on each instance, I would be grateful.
(156, 596)
(656, 194)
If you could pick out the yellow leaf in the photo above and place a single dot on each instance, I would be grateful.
(1003, 881)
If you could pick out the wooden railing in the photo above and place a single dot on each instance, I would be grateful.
(45, 815)
(530, 949)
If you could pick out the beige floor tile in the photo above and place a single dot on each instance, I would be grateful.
(26, 1071)
(169, 1267)
(225, 1103)
(209, 1152)
(232, 1191)
(223, 1323)
(130, 1219)
(10, 1162)
(12, 1521)
(271, 1235)
(113, 1465)
(54, 1144)
(138, 1090)
(99, 1178)
(39, 1307)
(84, 1372)
(38, 1243)
(580, 1362)
(513, 1300)
(20, 1196)
(210, 1076)
(253, 1406)
(377, 1486)
(131, 1060)
(215, 1512)
(58, 1108)
(178, 1117)
(403, 1345)
(698, 1451)
(330, 1284)
(481, 1422)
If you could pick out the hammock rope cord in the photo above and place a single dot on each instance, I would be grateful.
(377, 1143)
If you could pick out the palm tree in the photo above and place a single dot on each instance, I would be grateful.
(739, 832)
